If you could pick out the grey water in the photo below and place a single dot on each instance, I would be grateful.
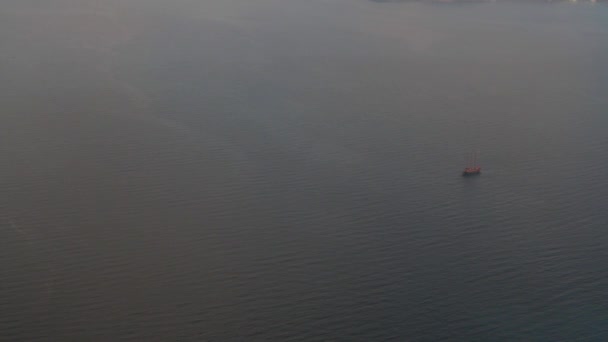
(289, 170)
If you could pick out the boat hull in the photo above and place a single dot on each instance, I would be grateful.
(471, 171)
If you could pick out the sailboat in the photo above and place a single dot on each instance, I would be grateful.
(472, 168)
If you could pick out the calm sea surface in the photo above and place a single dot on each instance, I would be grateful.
(289, 170)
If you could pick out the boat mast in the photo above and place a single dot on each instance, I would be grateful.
(474, 158)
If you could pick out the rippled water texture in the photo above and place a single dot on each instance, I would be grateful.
(289, 170)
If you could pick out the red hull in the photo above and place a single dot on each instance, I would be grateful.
(471, 171)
